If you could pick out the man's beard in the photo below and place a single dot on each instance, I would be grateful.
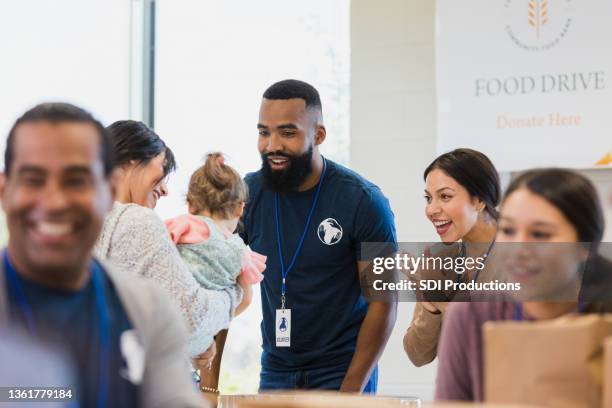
(290, 179)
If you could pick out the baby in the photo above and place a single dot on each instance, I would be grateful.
(205, 238)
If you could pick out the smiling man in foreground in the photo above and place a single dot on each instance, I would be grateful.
(126, 340)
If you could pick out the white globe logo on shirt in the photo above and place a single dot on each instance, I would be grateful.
(329, 231)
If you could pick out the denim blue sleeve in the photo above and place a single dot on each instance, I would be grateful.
(374, 221)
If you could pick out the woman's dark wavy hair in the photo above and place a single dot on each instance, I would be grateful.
(572, 193)
(577, 199)
(133, 140)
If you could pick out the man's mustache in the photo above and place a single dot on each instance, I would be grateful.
(278, 154)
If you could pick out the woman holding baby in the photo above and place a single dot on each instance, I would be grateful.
(135, 239)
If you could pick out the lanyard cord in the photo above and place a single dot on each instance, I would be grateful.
(13, 282)
(285, 271)
(104, 330)
(104, 354)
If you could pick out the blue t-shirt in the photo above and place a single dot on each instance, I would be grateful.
(69, 320)
(322, 289)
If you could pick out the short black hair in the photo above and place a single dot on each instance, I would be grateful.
(133, 140)
(57, 112)
(570, 192)
(293, 88)
(475, 172)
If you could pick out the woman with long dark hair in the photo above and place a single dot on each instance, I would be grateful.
(556, 215)
(461, 191)
(135, 239)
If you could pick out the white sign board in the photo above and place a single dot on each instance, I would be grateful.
(527, 82)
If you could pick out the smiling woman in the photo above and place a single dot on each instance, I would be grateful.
(461, 192)
(142, 162)
(135, 239)
(542, 209)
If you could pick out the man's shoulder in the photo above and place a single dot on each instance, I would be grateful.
(255, 187)
(365, 196)
(253, 179)
(346, 178)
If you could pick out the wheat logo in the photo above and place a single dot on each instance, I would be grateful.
(538, 14)
(538, 25)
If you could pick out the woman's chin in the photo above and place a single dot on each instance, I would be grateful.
(449, 238)
(151, 203)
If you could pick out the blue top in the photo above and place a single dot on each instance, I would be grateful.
(323, 290)
(69, 320)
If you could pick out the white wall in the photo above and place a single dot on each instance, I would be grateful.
(393, 139)
(393, 131)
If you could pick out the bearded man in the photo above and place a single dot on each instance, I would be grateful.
(310, 215)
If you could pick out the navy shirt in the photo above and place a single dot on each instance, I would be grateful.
(323, 292)
(69, 320)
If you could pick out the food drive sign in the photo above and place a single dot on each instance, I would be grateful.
(528, 82)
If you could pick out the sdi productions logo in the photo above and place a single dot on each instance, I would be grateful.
(538, 25)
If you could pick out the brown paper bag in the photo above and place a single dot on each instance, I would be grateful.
(607, 376)
(556, 363)
(312, 399)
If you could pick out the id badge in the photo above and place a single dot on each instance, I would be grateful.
(283, 327)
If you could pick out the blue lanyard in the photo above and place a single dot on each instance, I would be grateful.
(518, 310)
(104, 355)
(279, 239)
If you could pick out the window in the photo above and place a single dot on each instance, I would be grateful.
(214, 59)
(65, 50)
